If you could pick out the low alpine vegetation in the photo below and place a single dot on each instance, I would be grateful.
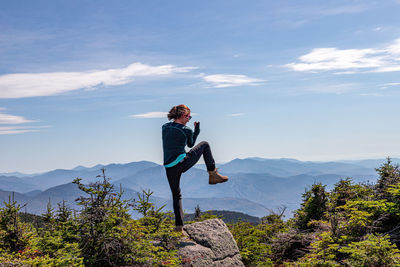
(102, 233)
(350, 225)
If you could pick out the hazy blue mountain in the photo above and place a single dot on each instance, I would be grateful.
(82, 168)
(37, 204)
(266, 183)
(33, 193)
(145, 174)
(117, 171)
(265, 189)
(13, 183)
(156, 180)
(16, 174)
(61, 176)
(22, 199)
(152, 178)
(290, 167)
(371, 163)
(94, 168)
(53, 178)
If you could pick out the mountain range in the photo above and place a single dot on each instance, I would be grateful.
(255, 186)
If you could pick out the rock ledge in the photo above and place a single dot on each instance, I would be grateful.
(210, 243)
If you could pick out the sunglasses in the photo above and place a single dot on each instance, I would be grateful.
(189, 117)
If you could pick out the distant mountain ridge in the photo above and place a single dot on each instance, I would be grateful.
(290, 167)
(37, 204)
(269, 183)
(227, 216)
(17, 174)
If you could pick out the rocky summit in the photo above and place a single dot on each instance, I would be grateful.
(209, 243)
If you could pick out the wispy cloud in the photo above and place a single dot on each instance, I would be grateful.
(236, 114)
(331, 11)
(343, 10)
(45, 84)
(386, 59)
(334, 88)
(8, 119)
(372, 94)
(150, 115)
(12, 119)
(230, 80)
(20, 129)
(154, 115)
(297, 15)
(391, 84)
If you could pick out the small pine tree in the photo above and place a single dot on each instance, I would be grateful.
(373, 251)
(314, 206)
(13, 233)
(197, 213)
(389, 175)
(153, 217)
(101, 222)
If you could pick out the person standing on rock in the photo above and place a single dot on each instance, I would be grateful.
(176, 135)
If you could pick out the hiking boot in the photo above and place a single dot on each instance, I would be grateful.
(216, 178)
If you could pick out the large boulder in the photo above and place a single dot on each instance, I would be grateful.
(209, 243)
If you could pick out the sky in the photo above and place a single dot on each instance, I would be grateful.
(90, 82)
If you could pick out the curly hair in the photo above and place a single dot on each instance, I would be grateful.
(177, 111)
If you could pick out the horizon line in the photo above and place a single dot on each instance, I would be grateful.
(4, 173)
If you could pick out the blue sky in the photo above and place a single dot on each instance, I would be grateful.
(89, 82)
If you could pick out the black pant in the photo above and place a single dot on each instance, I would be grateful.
(174, 175)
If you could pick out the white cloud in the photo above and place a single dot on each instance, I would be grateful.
(8, 119)
(236, 114)
(45, 84)
(230, 80)
(20, 129)
(12, 119)
(154, 115)
(344, 72)
(394, 48)
(391, 84)
(150, 115)
(385, 59)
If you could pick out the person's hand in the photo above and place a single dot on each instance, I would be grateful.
(196, 124)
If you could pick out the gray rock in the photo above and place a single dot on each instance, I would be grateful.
(229, 261)
(195, 255)
(209, 243)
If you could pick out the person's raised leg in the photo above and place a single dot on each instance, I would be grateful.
(193, 156)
